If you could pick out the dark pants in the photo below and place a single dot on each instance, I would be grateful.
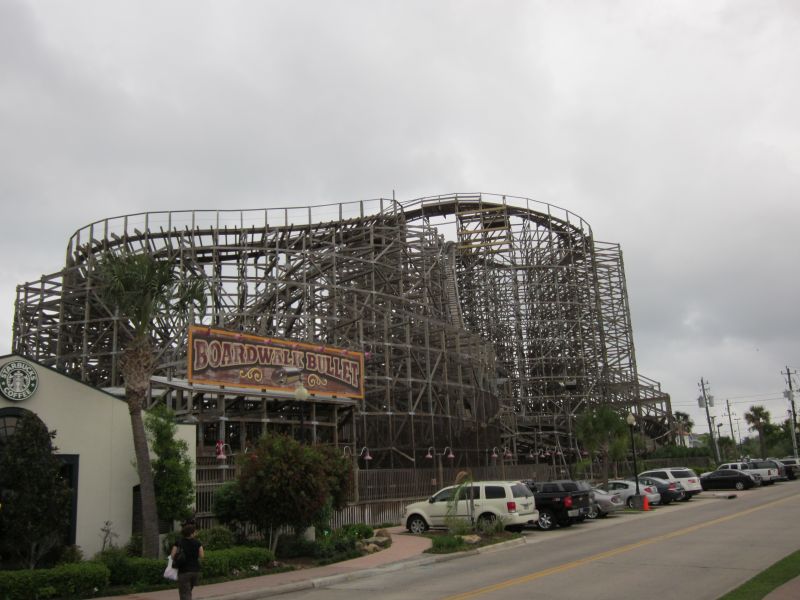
(186, 581)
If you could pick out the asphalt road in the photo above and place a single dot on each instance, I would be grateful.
(695, 550)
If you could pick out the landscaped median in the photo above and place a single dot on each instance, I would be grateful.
(461, 536)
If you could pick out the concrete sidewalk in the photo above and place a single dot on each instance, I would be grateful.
(405, 548)
(788, 591)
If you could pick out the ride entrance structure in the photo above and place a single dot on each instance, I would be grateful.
(471, 321)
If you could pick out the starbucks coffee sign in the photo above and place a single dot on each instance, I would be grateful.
(18, 380)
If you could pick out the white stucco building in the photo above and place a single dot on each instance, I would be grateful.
(93, 438)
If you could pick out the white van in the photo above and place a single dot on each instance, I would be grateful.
(687, 478)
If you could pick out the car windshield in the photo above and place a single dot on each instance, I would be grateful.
(570, 486)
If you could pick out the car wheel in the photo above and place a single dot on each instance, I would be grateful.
(547, 520)
(486, 519)
(740, 485)
(594, 512)
(416, 524)
(629, 501)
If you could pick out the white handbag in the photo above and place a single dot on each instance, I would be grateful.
(170, 572)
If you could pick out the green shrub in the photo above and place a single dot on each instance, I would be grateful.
(442, 544)
(146, 570)
(128, 570)
(292, 546)
(358, 530)
(220, 563)
(169, 541)
(458, 525)
(134, 545)
(70, 555)
(82, 580)
(118, 563)
(216, 538)
(490, 526)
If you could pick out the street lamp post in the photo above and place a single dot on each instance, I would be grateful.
(364, 452)
(439, 467)
(631, 420)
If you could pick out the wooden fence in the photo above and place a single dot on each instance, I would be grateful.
(380, 496)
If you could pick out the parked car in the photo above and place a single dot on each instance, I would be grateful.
(723, 479)
(671, 491)
(510, 501)
(604, 503)
(683, 475)
(785, 472)
(792, 464)
(559, 502)
(627, 490)
(767, 471)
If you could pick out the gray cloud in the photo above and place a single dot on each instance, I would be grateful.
(670, 127)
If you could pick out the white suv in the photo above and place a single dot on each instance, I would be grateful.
(510, 501)
(687, 478)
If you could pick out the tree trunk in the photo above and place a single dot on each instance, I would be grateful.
(136, 366)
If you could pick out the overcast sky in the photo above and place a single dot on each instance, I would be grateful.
(671, 127)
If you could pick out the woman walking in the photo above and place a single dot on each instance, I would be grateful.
(186, 555)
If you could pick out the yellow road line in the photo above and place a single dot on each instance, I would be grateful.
(609, 553)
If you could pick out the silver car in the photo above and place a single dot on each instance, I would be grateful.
(627, 490)
(603, 503)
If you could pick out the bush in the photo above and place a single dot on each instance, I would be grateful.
(216, 538)
(490, 527)
(443, 544)
(118, 563)
(221, 563)
(134, 545)
(457, 525)
(70, 555)
(293, 546)
(169, 541)
(128, 570)
(81, 580)
(149, 571)
(358, 530)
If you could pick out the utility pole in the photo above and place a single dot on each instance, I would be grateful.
(704, 400)
(730, 419)
(790, 397)
(739, 436)
(715, 438)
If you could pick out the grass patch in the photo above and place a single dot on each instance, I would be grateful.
(768, 580)
(446, 543)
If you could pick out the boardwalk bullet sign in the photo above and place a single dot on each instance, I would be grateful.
(232, 359)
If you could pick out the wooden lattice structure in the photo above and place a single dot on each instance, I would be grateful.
(487, 322)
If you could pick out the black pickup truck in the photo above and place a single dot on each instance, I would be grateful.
(560, 502)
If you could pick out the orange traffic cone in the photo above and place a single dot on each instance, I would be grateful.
(645, 503)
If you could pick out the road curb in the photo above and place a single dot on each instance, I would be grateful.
(322, 582)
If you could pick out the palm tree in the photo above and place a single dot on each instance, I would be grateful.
(685, 425)
(600, 430)
(142, 288)
(758, 419)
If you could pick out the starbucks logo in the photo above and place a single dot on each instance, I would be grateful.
(18, 380)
